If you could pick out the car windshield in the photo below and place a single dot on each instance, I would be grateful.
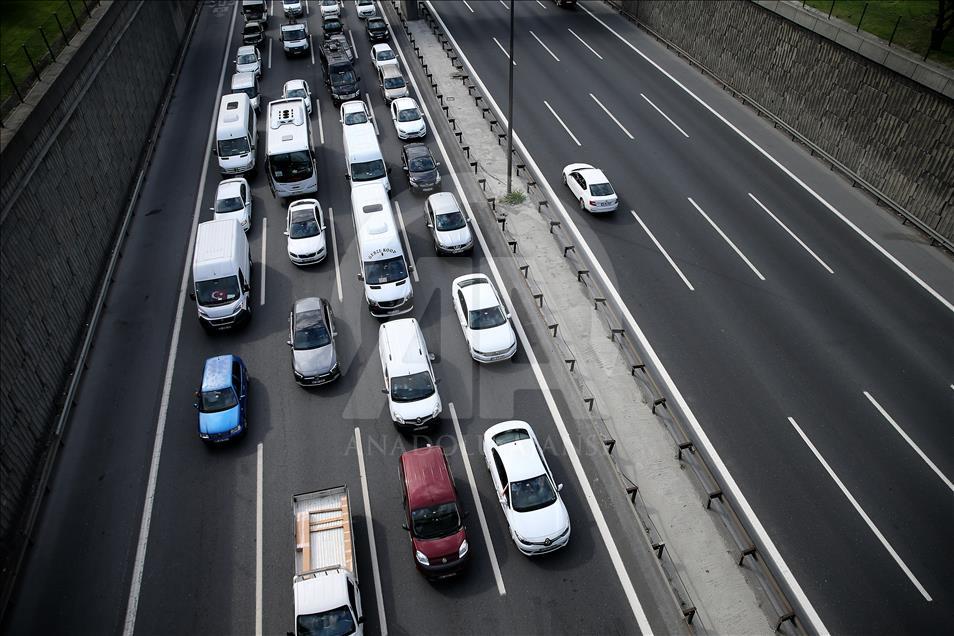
(357, 117)
(217, 400)
(375, 25)
(450, 221)
(485, 318)
(336, 622)
(310, 330)
(216, 291)
(394, 82)
(303, 224)
(390, 270)
(601, 189)
(408, 114)
(329, 3)
(531, 494)
(421, 164)
(232, 147)
(342, 77)
(437, 521)
(367, 170)
(230, 204)
(298, 92)
(410, 388)
(291, 166)
(386, 54)
(247, 58)
(331, 25)
(293, 35)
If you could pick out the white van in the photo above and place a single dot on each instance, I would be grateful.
(222, 274)
(247, 83)
(236, 134)
(409, 381)
(291, 161)
(381, 263)
(363, 159)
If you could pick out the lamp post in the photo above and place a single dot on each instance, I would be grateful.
(510, 109)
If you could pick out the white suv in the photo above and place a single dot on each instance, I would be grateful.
(409, 380)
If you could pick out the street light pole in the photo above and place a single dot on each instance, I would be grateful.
(510, 109)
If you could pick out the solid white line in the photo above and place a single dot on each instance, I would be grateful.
(311, 48)
(658, 110)
(618, 566)
(818, 197)
(585, 44)
(407, 241)
(271, 8)
(504, 51)
(321, 128)
(480, 509)
(307, 8)
(792, 234)
(354, 49)
(258, 542)
(132, 605)
(917, 449)
(264, 244)
(541, 4)
(374, 120)
(553, 112)
(468, 6)
(269, 53)
(727, 239)
(544, 46)
(664, 252)
(370, 527)
(860, 511)
(505, 5)
(334, 246)
(613, 117)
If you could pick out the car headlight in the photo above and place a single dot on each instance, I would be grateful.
(204, 435)
(464, 547)
(236, 428)
(519, 538)
(421, 558)
(437, 409)
(398, 418)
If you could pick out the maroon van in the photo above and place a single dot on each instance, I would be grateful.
(432, 513)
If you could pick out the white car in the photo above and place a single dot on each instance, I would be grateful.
(590, 187)
(365, 8)
(330, 9)
(292, 8)
(483, 318)
(298, 88)
(248, 60)
(305, 229)
(354, 112)
(383, 55)
(407, 118)
(449, 226)
(528, 495)
(233, 200)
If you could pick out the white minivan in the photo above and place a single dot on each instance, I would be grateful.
(409, 380)
(363, 159)
(236, 134)
(222, 274)
(381, 262)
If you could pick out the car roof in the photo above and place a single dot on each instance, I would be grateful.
(520, 459)
(228, 188)
(426, 478)
(409, 356)
(443, 202)
(381, 47)
(306, 304)
(593, 175)
(404, 102)
(391, 69)
(417, 150)
(480, 295)
(245, 49)
(303, 205)
(295, 83)
(217, 373)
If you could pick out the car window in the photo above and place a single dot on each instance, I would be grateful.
(304, 224)
(351, 596)
(580, 180)
(532, 494)
(601, 189)
(501, 472)
(463, 303)
(217, 400)
(244, 191)
(408, 114)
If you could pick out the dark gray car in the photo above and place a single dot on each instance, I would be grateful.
(311, 329)
(420, 167)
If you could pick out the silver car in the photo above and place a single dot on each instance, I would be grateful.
(392, 83)
(449, 226)
(311, 328)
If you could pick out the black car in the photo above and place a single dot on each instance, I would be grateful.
(341, 78)
(378, 30)
(331, 26)
(420, 167)
(252, 33)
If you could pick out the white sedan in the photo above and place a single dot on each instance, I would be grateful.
(383, 55)
(298, 88)
(528, 495)
(407, 118)
(590, 187)
(248, 60)
(233, 200)
(305, 229)
(483, 319)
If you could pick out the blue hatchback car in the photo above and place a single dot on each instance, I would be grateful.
(222, 400)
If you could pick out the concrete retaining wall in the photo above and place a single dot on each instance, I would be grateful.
(894, 133)
(67, 176)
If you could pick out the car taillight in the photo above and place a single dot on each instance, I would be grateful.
(592, 202)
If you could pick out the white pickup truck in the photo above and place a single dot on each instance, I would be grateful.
(327, 599)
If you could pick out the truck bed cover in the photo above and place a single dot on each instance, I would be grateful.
(323, 534)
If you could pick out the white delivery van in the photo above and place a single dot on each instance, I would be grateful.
(222, 274)
(381, 262)
(236, 134)
(291, 161)
(409, 381)
(363, 159)
(247, 83)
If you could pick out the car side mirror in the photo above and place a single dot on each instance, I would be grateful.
(360, 620)
(389, 169)
(288, 342)
(215, 151)
(404, 525)
(508, 315)
(322, 228)
(437, 381)
(347, 177)
(404, 168)
(285, 232)
(559, 487)
(429, 224)
(192, 295)
(431, 356)
(361, 277)
(246, 288)
(212, 208)
(384, 390)
(410, 268)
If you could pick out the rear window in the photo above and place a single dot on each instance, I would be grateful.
(513, 435)
(601, 190)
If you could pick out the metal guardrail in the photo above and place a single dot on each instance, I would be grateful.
(716, 500)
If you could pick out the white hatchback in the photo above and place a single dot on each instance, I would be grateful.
(407, 118)
(248, 60)
(305, 229)
(330, 9)
(365, 8)
(233, 200)
(590, 187)
(383, 55)
(483, 318)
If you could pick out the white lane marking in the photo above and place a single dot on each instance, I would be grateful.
(370, 527)
(727, 239)
(950, 306)
(311, 48)
(664, 252)
(541, 4)
(792, 234)
(480, 509)
(135, 586)
(271, 8)
(504, 51)
(307, 8)
(584, 43)
(321, 128)
(611, 116)
(505, 5)
(264, 244)
(614, 556)
(258, 541)
(659, 110)
(407, 241)
(553, 112)
(269, 54)
(354, 49)
(334, 247)
(544, 46)
(952, 387)
(374, 120)
(468, 6)
(860, 511)
(917, 449)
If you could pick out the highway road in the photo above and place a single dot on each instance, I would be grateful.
(148, 531)
(821, 371)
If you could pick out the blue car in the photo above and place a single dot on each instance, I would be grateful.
(222, 401)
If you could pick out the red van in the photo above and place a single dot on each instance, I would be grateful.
(432, 513)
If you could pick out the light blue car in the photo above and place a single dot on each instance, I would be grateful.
(222, 400)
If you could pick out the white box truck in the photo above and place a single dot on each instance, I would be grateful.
(222, 274)
(381, 262)
(327, 598)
